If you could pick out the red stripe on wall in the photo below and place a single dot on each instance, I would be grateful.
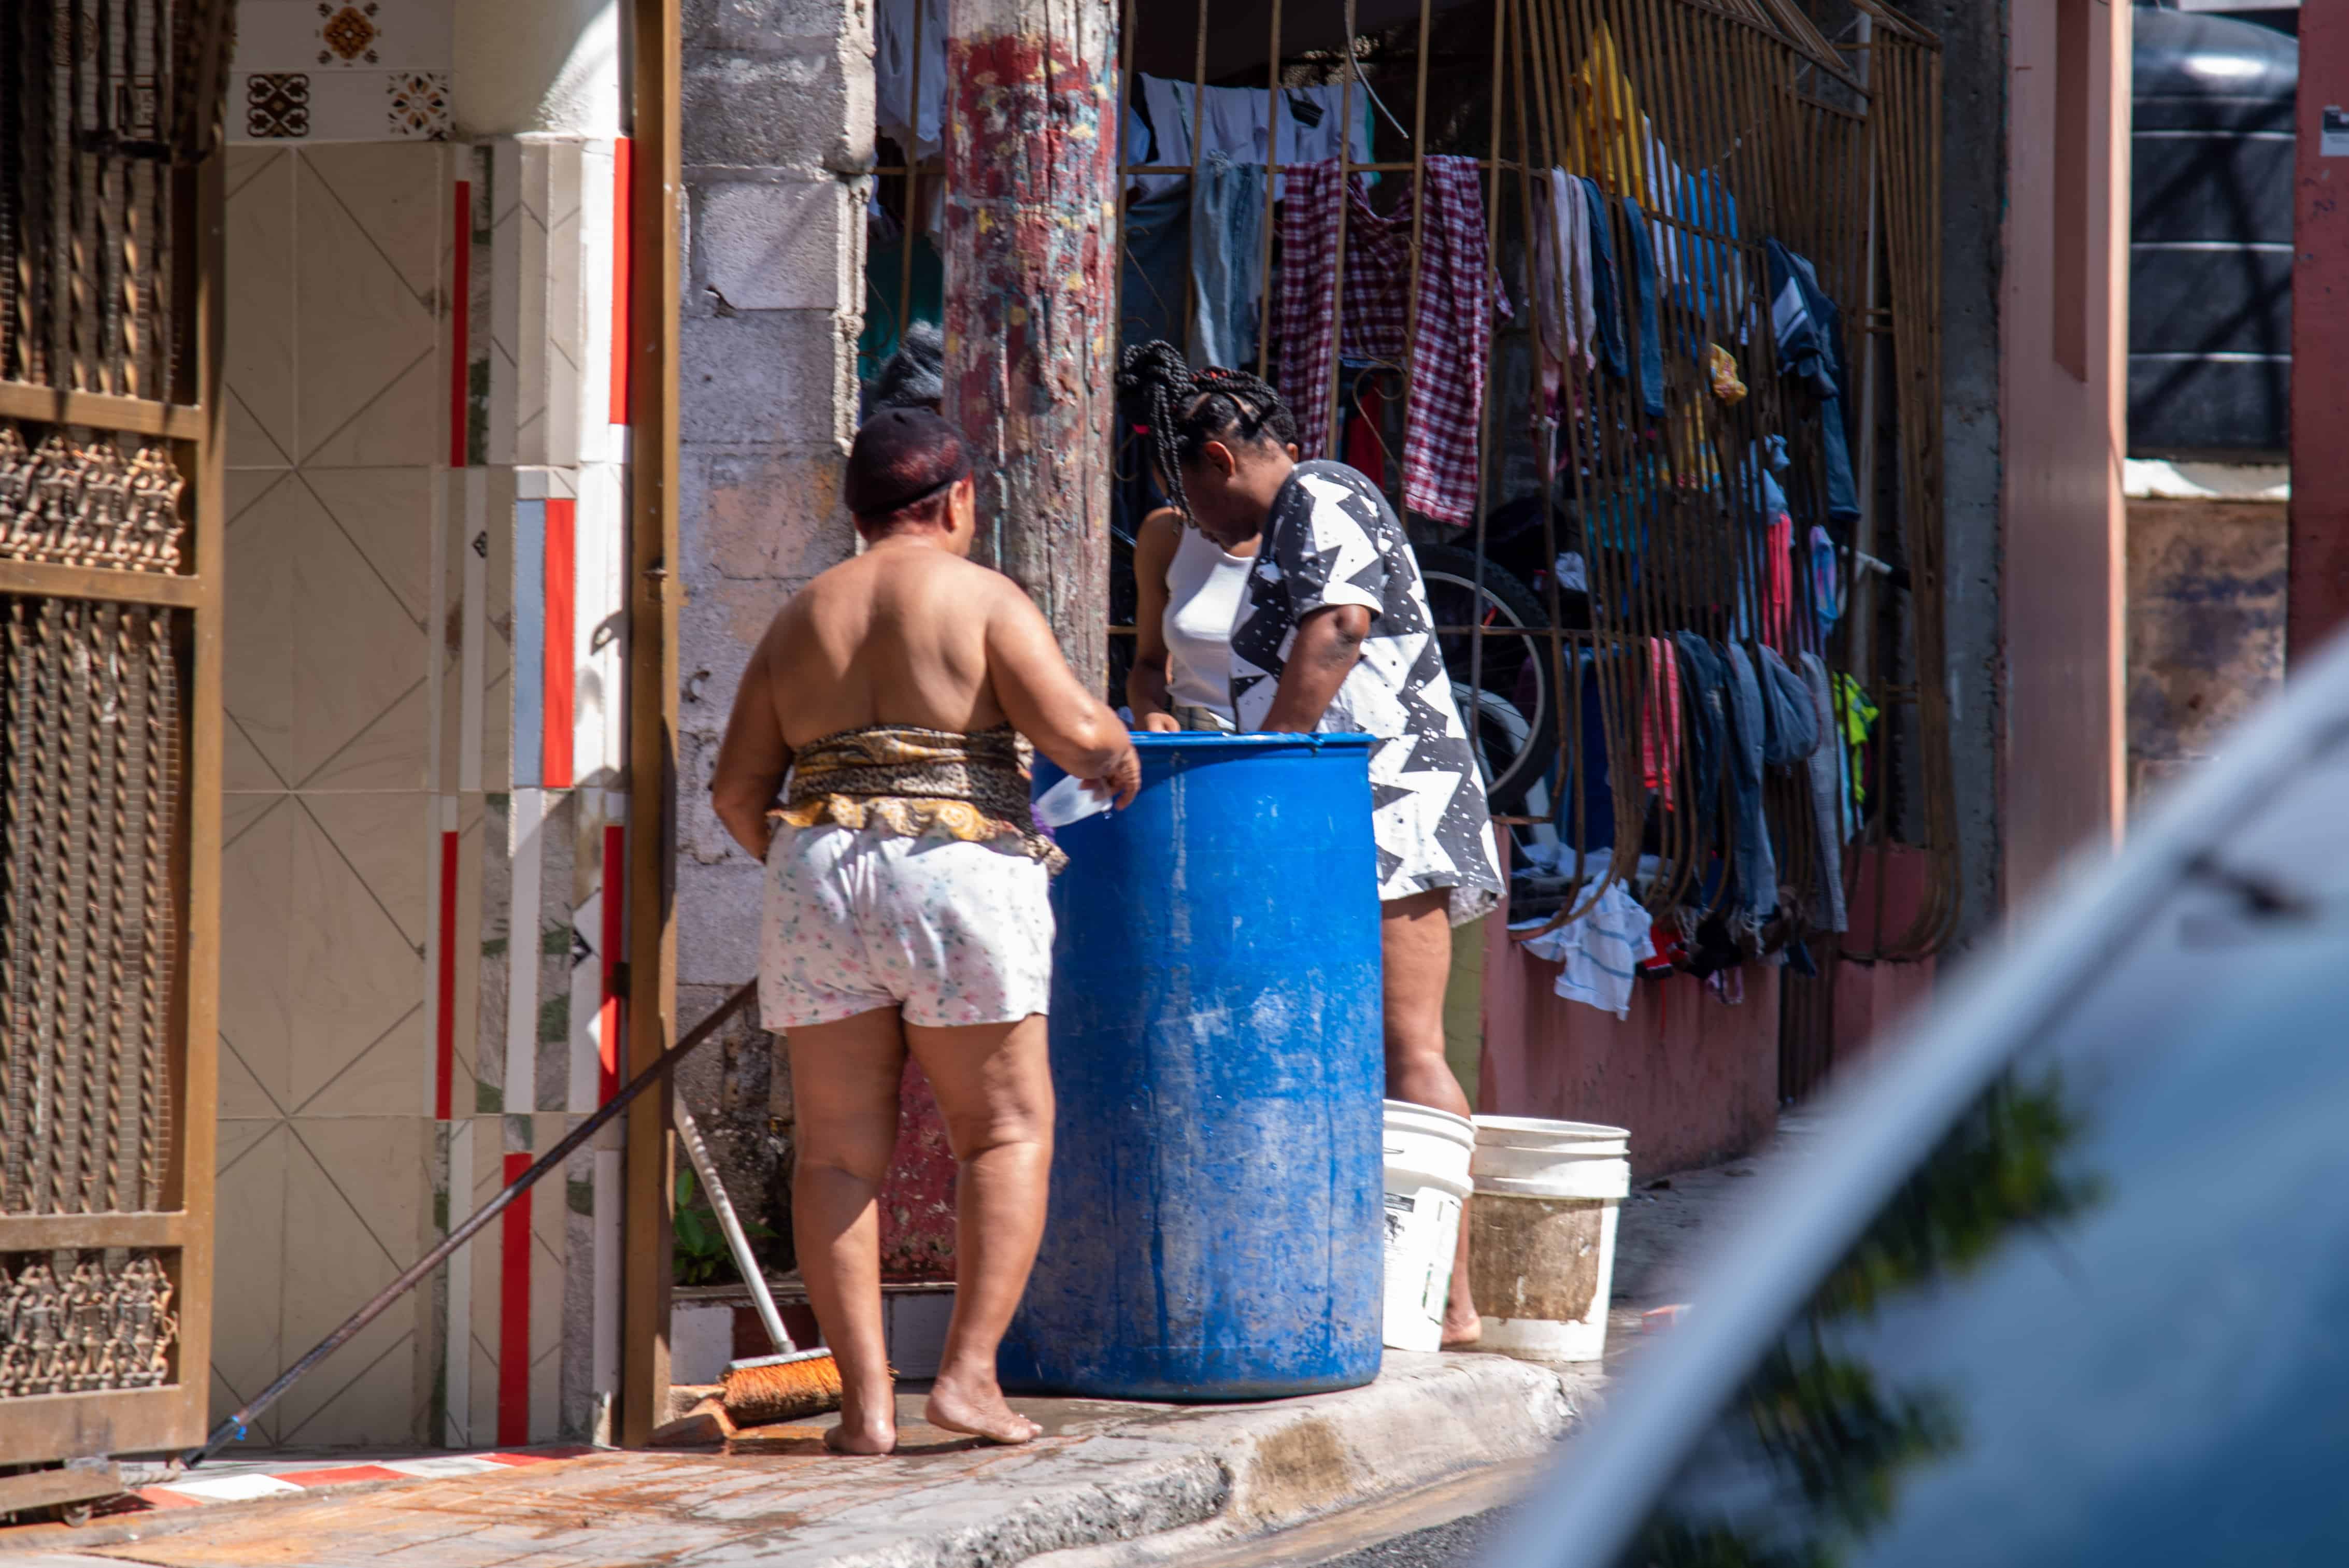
(624, 341)
(616, 911)
(460, 314)
(555, 719)
(444, 1012)
(514, 1312)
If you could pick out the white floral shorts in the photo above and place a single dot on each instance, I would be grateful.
(856, 919)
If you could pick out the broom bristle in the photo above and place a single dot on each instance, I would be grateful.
(781, 1388)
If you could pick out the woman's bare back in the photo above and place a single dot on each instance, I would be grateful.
(897, 635)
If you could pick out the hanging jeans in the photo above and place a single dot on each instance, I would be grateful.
(1227, 260)
(1604, 286)
(1643, 305)
(1701, 675)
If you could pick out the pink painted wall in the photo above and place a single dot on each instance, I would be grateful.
(1695, 1079)
(2064, 430)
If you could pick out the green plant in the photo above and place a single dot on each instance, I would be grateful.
(701, 1254)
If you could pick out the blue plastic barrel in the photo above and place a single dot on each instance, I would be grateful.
(1215, 1221)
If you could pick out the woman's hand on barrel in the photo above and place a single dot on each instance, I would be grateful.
(1161, 724)
(1121, 778)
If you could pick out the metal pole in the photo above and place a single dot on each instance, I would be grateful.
(1031, 245)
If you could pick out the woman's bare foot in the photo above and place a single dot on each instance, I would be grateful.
(863, 1439)
(975, 1405)
(866, 1427)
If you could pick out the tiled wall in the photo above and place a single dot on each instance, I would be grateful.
(423, 685)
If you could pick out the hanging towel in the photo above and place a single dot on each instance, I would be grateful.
(1827, 769)
(1599, 951)
(1452, 341)
(1562, 266)
(1227, 260)
(1757, 868)
(1826, 582)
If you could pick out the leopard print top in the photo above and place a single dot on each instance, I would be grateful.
(910, 782)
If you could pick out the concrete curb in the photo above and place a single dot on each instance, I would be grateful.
(1427, 1418)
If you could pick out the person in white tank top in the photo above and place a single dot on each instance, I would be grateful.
(1189, 590)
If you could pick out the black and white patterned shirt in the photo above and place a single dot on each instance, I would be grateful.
(1331, 539)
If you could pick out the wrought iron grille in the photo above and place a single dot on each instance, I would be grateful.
(89, 782)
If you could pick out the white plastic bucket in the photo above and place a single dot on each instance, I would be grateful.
(1542, 1254)
(1426, 1156)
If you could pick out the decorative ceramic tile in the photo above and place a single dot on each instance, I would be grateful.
(349, 34)
(276, 106)
(418, 106)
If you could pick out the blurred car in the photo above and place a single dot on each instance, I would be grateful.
(2067, 1279)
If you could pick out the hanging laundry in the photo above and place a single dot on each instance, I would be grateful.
(1712, 273)
(1826, 582)
(1791, 731)
(909, 75)
(1155, 256)
(1606, 134)
(1599, 951)
(1450, 346)
(1227, 260)
(1659, 721)
(1826, 777)
(1643, 311)
(1757, 867)
(1562, 267)
(1810, 349)
(1701, 675)
(1858, 714)
(1246, 125)
(1665, 183)
(1778, 581)
(1720, 367)
(1606, 287)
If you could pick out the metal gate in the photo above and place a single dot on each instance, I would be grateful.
(110, 719)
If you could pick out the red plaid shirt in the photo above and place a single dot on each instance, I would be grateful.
(1454, 341)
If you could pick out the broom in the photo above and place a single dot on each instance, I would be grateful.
(235, 1424)
(763, 1389)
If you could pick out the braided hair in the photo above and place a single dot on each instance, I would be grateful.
(1184, 409)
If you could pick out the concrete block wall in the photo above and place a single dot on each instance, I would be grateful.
(778, 139)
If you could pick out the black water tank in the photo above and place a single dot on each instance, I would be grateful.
(2210, 237)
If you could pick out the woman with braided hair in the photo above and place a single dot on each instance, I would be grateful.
(1332, 632)
(1187, 590)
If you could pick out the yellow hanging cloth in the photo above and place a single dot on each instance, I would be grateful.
(1605, 134)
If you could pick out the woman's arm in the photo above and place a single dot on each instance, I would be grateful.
(1328, 642)
(751, 761)
(1146, 683)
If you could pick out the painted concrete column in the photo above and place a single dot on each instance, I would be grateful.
(777, 152)
(2317, 603)
(1031, 245)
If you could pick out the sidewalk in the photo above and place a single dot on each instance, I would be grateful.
(1110, 1485)
(1103, 1472)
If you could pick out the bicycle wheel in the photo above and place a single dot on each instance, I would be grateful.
(1505, 694)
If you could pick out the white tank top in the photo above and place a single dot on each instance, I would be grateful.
(1204, 587)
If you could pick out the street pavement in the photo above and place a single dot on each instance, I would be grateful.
(1416, 1469)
